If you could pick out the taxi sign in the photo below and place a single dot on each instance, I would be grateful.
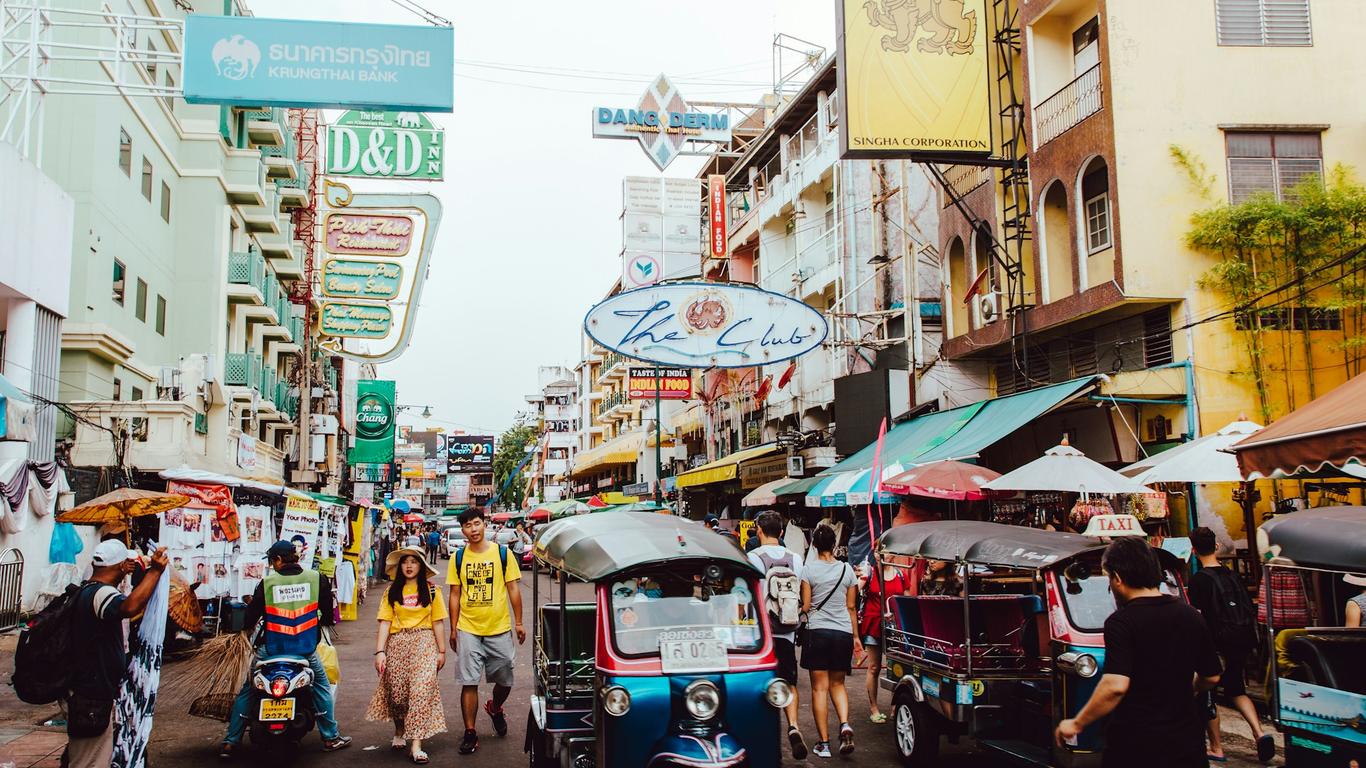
(1110, 526)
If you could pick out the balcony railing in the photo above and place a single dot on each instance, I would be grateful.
(1073, 103)
(242, 369)
(248, 268)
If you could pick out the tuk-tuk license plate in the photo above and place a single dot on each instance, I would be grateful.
(693, 655)
(274, 711)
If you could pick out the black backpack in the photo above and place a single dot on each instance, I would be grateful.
(42, 661)
(1234, 619)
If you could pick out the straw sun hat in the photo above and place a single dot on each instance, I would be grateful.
(391, 563)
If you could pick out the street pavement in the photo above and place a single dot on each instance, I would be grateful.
(181, 740)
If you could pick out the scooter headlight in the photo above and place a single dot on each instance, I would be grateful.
(778, 693)
(616, 701)
(702, 699)
(1079, 664)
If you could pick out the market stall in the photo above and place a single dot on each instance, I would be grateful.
(1063, 489)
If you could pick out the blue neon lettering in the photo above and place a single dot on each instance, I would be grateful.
(796, 337)
(636, 334)
(722, 340)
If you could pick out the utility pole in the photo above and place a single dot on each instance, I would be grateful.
(659, 464)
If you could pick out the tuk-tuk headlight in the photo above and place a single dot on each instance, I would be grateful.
(616, 701)
(702, 699)
(1079, 664)
(778, 693)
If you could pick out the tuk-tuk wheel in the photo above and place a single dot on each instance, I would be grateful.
(917, 735)
(537, 747)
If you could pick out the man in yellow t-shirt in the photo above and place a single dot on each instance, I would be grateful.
(484, 581)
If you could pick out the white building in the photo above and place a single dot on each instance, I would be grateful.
(559, 416)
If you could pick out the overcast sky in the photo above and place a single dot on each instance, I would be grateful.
(530, 236)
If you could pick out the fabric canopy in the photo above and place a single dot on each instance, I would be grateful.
(1064, 468)
(846, 489)
(766, 494)
(185, 474)
(624, 449)
(727, 468)
(1204, 460)
(1330, 430)
(791, 487)
(947, 479)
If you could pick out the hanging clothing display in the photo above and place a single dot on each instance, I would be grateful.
(137, 696)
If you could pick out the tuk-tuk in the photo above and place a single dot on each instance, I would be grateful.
(671, 665)
(1318, 671)
(1019, 650)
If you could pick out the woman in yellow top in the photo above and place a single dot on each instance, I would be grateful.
(410, 651)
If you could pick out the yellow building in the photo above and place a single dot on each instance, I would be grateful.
(1105, 283)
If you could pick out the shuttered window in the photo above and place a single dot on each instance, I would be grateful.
(1263, 22)
(1270, 162)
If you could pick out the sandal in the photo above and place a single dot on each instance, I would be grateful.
(398, 744)
(878, 717)
(227, 750)
(419, 758)
(1210, 756)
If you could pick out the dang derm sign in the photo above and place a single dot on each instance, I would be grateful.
(296, 63)
(703, 325)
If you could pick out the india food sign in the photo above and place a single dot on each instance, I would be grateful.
(672, 383)
(255, 61)
(662, 122)
(374, 422)
(913, 78)
(385, 145)
(701, 325)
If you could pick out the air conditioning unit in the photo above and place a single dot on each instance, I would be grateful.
(989, 307)
(796, 466)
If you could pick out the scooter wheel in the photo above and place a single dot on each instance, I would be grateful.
(917, 734)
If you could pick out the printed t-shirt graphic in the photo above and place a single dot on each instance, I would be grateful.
(484, 606)
(410, 614)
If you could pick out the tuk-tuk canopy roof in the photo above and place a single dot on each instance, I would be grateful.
(1007, 546)
(1329, 537)
(595, 547)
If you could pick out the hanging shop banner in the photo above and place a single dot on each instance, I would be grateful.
(913, 83)
(371, 315)
(300, 526)
(468, 453)
(361, 279)
(374, 422)
(716, 217)
(673, 384)
(662, 122)
(246, 452)
(304, 63)
(385, 145)
(215, 497)
(702, 325)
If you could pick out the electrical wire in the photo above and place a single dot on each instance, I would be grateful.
(620, 77)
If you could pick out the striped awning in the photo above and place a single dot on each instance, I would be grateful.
(724, 469)
(847, 489)
(619, 450)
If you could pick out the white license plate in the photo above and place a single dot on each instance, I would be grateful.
(276, 710)
(693, 654)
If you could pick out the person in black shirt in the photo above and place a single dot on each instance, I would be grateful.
(1219, 595)
(1158, 656)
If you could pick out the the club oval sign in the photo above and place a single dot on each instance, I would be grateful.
(702, 325)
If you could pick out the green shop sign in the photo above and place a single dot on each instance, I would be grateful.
(361, 279)
(374, 422)
(356, 321)
(385, 145)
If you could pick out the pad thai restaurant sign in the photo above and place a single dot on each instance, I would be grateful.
(702, 325)
(254, 61)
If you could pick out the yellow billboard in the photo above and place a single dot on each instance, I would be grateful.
(914, 78)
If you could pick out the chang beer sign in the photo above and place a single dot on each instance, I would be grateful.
(374, 422)
(385, 145)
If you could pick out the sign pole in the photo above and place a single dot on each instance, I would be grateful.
(659, 464)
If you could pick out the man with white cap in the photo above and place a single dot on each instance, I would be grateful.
(100, 611)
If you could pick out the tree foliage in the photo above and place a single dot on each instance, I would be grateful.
(1275, 258)
(507, 459)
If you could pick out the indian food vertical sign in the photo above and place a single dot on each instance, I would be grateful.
(914, 78)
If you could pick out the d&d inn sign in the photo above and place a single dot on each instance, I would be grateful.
(385, 145)
(701, 325)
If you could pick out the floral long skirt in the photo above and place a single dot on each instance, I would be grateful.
(409, 692)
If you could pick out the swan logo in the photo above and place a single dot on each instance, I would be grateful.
(236, 58)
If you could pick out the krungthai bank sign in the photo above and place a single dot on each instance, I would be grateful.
(662, 122)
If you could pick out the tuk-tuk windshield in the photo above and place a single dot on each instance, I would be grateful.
(658, 610)
(1090, 602)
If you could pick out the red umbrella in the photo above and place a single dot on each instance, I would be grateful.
(955, 480)
(595, 502)
(539, 516)
(412, 517)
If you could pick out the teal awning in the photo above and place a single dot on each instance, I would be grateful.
(960, 433)
(797, 487)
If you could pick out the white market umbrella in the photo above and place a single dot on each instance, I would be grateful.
(1204, 460)
(1064, 468)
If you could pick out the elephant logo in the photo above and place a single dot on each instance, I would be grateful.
(408, 120)
(952, 28)
(236, 57)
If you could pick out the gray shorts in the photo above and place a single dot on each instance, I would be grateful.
(480, 657)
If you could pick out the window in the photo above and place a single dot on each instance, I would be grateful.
(147, 179)
(137, 394)
(168, 99)
(165, 202)
(140, 302)
(1095, 190)
(1086, 46)
(120, 272)
(1263, 22)
(126, 153)
(151, 62)
(118, 388)
(1270, 162)
(1292, 318)
(161, 314)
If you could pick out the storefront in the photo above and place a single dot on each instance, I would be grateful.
(609, 466)
(716, 488)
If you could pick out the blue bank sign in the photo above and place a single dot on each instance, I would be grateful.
(662, 122)
(286, 62)
(701, 325)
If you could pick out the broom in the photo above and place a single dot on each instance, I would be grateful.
(209, 680)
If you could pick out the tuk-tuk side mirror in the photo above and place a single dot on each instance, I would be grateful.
(1074, 574)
